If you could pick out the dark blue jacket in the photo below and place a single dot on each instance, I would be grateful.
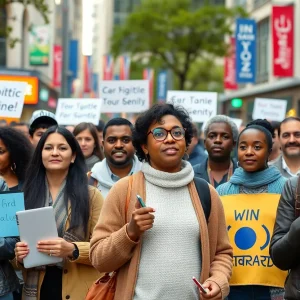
(197, 156)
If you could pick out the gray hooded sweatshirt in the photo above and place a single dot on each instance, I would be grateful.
(106, 179)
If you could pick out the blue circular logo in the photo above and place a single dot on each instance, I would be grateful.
(245, 238)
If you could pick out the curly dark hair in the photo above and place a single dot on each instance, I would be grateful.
(155, 114)
(19, 148)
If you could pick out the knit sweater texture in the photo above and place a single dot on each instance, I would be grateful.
(170, 254)
(112, 249)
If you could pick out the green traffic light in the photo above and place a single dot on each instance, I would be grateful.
(237, 102)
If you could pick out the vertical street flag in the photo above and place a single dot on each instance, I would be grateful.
(108, 67)
(124, 67)
(245, 50)
(162, 86)
(148, 74)
(57, 65)
(230, 68)
(73, 64)
(283, 40)
(87, 69)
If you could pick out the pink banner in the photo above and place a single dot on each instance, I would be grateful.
(57, 65)
(108, 67)
(230, 68)
(148, 74)
(124, 67)
(283, 40)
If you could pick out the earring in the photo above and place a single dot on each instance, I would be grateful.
(13, 167)
(185, 156)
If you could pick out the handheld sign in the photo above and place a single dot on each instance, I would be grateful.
(200, 105)
(12, 95)
(10, 203)
(270, 109)
(75, 111)
(129, 96)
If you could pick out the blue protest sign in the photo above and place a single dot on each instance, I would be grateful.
(10, 203)
(162, 85)
(245, 50)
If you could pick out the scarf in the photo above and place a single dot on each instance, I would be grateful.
(91, 161)
(30, 290)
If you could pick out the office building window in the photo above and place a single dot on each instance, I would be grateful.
(258, 3)
(242, 3)
(3, 20)
(262, 51)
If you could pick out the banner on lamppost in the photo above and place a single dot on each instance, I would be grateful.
(57, 65)
(148, 74)
(39, 45)
(283, 40)
(162, 85)
(245, 50)
(108, 67)
(230, 67)
(124, 62)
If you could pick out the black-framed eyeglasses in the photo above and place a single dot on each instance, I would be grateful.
(160, 134)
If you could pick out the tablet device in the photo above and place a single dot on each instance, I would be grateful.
(36, 225)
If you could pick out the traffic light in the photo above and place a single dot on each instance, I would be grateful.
(236, 102)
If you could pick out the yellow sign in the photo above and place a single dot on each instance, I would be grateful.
(32, 90)
(250, 220)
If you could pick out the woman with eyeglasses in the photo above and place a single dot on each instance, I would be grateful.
(168, 241)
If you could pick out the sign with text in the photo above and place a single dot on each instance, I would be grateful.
(129, 96)
(12, 98)
(283, 40)
(200, 105)
(270, 109)
(245, 50)
(74, 111)
(10, 203)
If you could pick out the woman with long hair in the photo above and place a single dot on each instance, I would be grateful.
(166, 243)
(250, 200)
(57, 177)
(87, 137)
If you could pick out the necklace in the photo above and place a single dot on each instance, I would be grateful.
(211, 177)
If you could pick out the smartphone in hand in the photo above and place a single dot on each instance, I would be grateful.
(142, 203)
(200, 286)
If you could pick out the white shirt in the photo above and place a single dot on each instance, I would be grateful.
(286, 168)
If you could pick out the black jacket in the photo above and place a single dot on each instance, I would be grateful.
(285, 243)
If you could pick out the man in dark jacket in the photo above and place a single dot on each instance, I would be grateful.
(285, 243)
(220, 134)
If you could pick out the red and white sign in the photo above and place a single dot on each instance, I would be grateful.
(230, 68)
(57, 65)
(283, 40)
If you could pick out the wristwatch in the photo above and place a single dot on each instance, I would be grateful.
(75, 253)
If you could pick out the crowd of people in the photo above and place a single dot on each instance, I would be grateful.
(221, 233)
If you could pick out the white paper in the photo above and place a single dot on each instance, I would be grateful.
(129, 96)
(12, 95)
(200, 105)
(71, 111)
(270, 109)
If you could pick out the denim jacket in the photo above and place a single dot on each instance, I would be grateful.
(8, 278)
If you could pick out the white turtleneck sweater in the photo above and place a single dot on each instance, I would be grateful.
(171, 252)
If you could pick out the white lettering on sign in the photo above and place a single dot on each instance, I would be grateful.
(270, 109)
(127, 96)
(200, 105)
(283, 26)
(75, 111)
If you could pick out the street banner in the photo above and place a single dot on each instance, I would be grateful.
(230, 68)
(72, 111)
(108, 67)
(39, 45)
(283, 40)
(73, 65)
(87, 69)
(124, 62)
(12, 95)
(148, 74)
(270, 109)
(10, 203)
(162, 86)
(200, 105)
(57, 65)
(124, 96)
(250, 221)
(245, 50)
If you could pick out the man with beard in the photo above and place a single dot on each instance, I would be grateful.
(220, 134)
(288, 162)
(120, 160)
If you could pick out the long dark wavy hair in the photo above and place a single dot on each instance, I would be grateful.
(19, 148)
(76, 184)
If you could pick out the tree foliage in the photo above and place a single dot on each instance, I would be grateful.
(5, 31)
(174, 36)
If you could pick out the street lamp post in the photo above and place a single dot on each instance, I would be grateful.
(65, 48)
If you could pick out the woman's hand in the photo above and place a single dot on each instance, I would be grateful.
(57, 247)
(141, 220)
(21, 251)
(213, 290)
